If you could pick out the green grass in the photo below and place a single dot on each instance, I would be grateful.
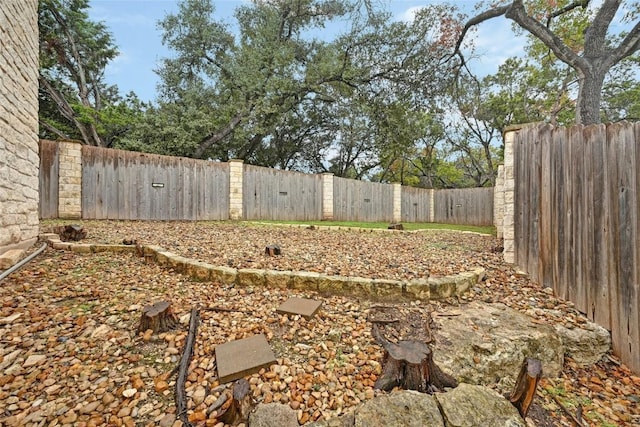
(407, 225)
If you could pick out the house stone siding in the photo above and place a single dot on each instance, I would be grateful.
(18, 124)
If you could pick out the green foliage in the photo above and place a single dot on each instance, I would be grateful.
(74, 100)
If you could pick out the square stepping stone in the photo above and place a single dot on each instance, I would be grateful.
(239, 358)
(302, 306)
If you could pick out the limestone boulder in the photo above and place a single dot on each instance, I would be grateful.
(586, 344)
(273, 414)
(402, 409)
(486, 344)
(471, 405)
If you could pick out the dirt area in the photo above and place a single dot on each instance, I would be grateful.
(70, 354)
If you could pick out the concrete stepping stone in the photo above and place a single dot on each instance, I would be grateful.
(302, 306)
(239, 358)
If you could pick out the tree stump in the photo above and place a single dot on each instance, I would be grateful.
(272, 250)
(158, 317)
(410, 365)
(70, 233)
(236, 410)
(526, 384)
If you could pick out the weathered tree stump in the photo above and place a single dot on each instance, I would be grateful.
(236, 410)
(526, 384)
(70, 233)
(410, 365)
(158, 317)
(272, 250)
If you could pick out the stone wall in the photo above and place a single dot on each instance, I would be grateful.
(18, 124)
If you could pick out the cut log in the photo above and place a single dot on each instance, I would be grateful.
(181, 395)
(272, 250)
(395, 227)
(236, 409)
(526, 384)
(70, 233)
(410, 366)
(158, 317)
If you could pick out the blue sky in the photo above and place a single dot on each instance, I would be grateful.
(133, 24)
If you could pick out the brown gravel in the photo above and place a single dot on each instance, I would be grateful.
(72, 356)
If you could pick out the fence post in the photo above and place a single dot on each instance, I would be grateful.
(397, 203)
(508, 221)
(432, 206)
(498, 203)
(70, 180)
(327, 196)
(236, 171)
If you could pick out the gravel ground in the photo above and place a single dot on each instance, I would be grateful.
(70, 354)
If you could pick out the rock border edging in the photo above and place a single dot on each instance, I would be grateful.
(432, 288)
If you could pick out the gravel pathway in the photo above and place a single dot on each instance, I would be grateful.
(70, 355)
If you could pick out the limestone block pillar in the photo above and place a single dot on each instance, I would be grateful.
(397, 203)
(327, 196)
(70, 180)
(498, 202)
(236, 175)
(508, 221)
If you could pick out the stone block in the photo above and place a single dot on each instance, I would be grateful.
(302, 306)
(333, 285)
(441, 287)
(252, 277)
(11, 257)
(417, 289)
(388, 289)
(224, 275)
(305, 281)
(199, 270)
(278, 279)
(237, 359)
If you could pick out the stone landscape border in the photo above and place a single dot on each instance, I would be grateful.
(432, 288)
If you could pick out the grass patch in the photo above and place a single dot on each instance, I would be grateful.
(407, 225)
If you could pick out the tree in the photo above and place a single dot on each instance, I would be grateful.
(591, 58)
(75, 102)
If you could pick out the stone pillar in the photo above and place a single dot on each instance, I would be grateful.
(327, 196)
(397, 203)
(432, 205)
(236, 174)
(19, 160)
(70, 180)
(508, 222)
(498, 202)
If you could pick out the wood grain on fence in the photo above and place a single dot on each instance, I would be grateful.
(362, 201)
(577, 226)
(281, 195)
(469, 206)
(416, 204)
(119, 184)
(48, 185)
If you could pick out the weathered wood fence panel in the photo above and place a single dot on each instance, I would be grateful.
(281, 195)
(362, 201)
(577, 227)
(469, 206)
(416, 204)
(48, 186)
(119, 184)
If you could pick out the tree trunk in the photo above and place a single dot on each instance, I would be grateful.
(236, 409)
(158, 317)
(589, 96)
(409, 365)
(525, 388)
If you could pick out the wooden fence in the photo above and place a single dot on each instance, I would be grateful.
(281, 195)
(577, 226)
(119, 184)
(471, 206)
(362, 201)
(49, 172)
(123, 185)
